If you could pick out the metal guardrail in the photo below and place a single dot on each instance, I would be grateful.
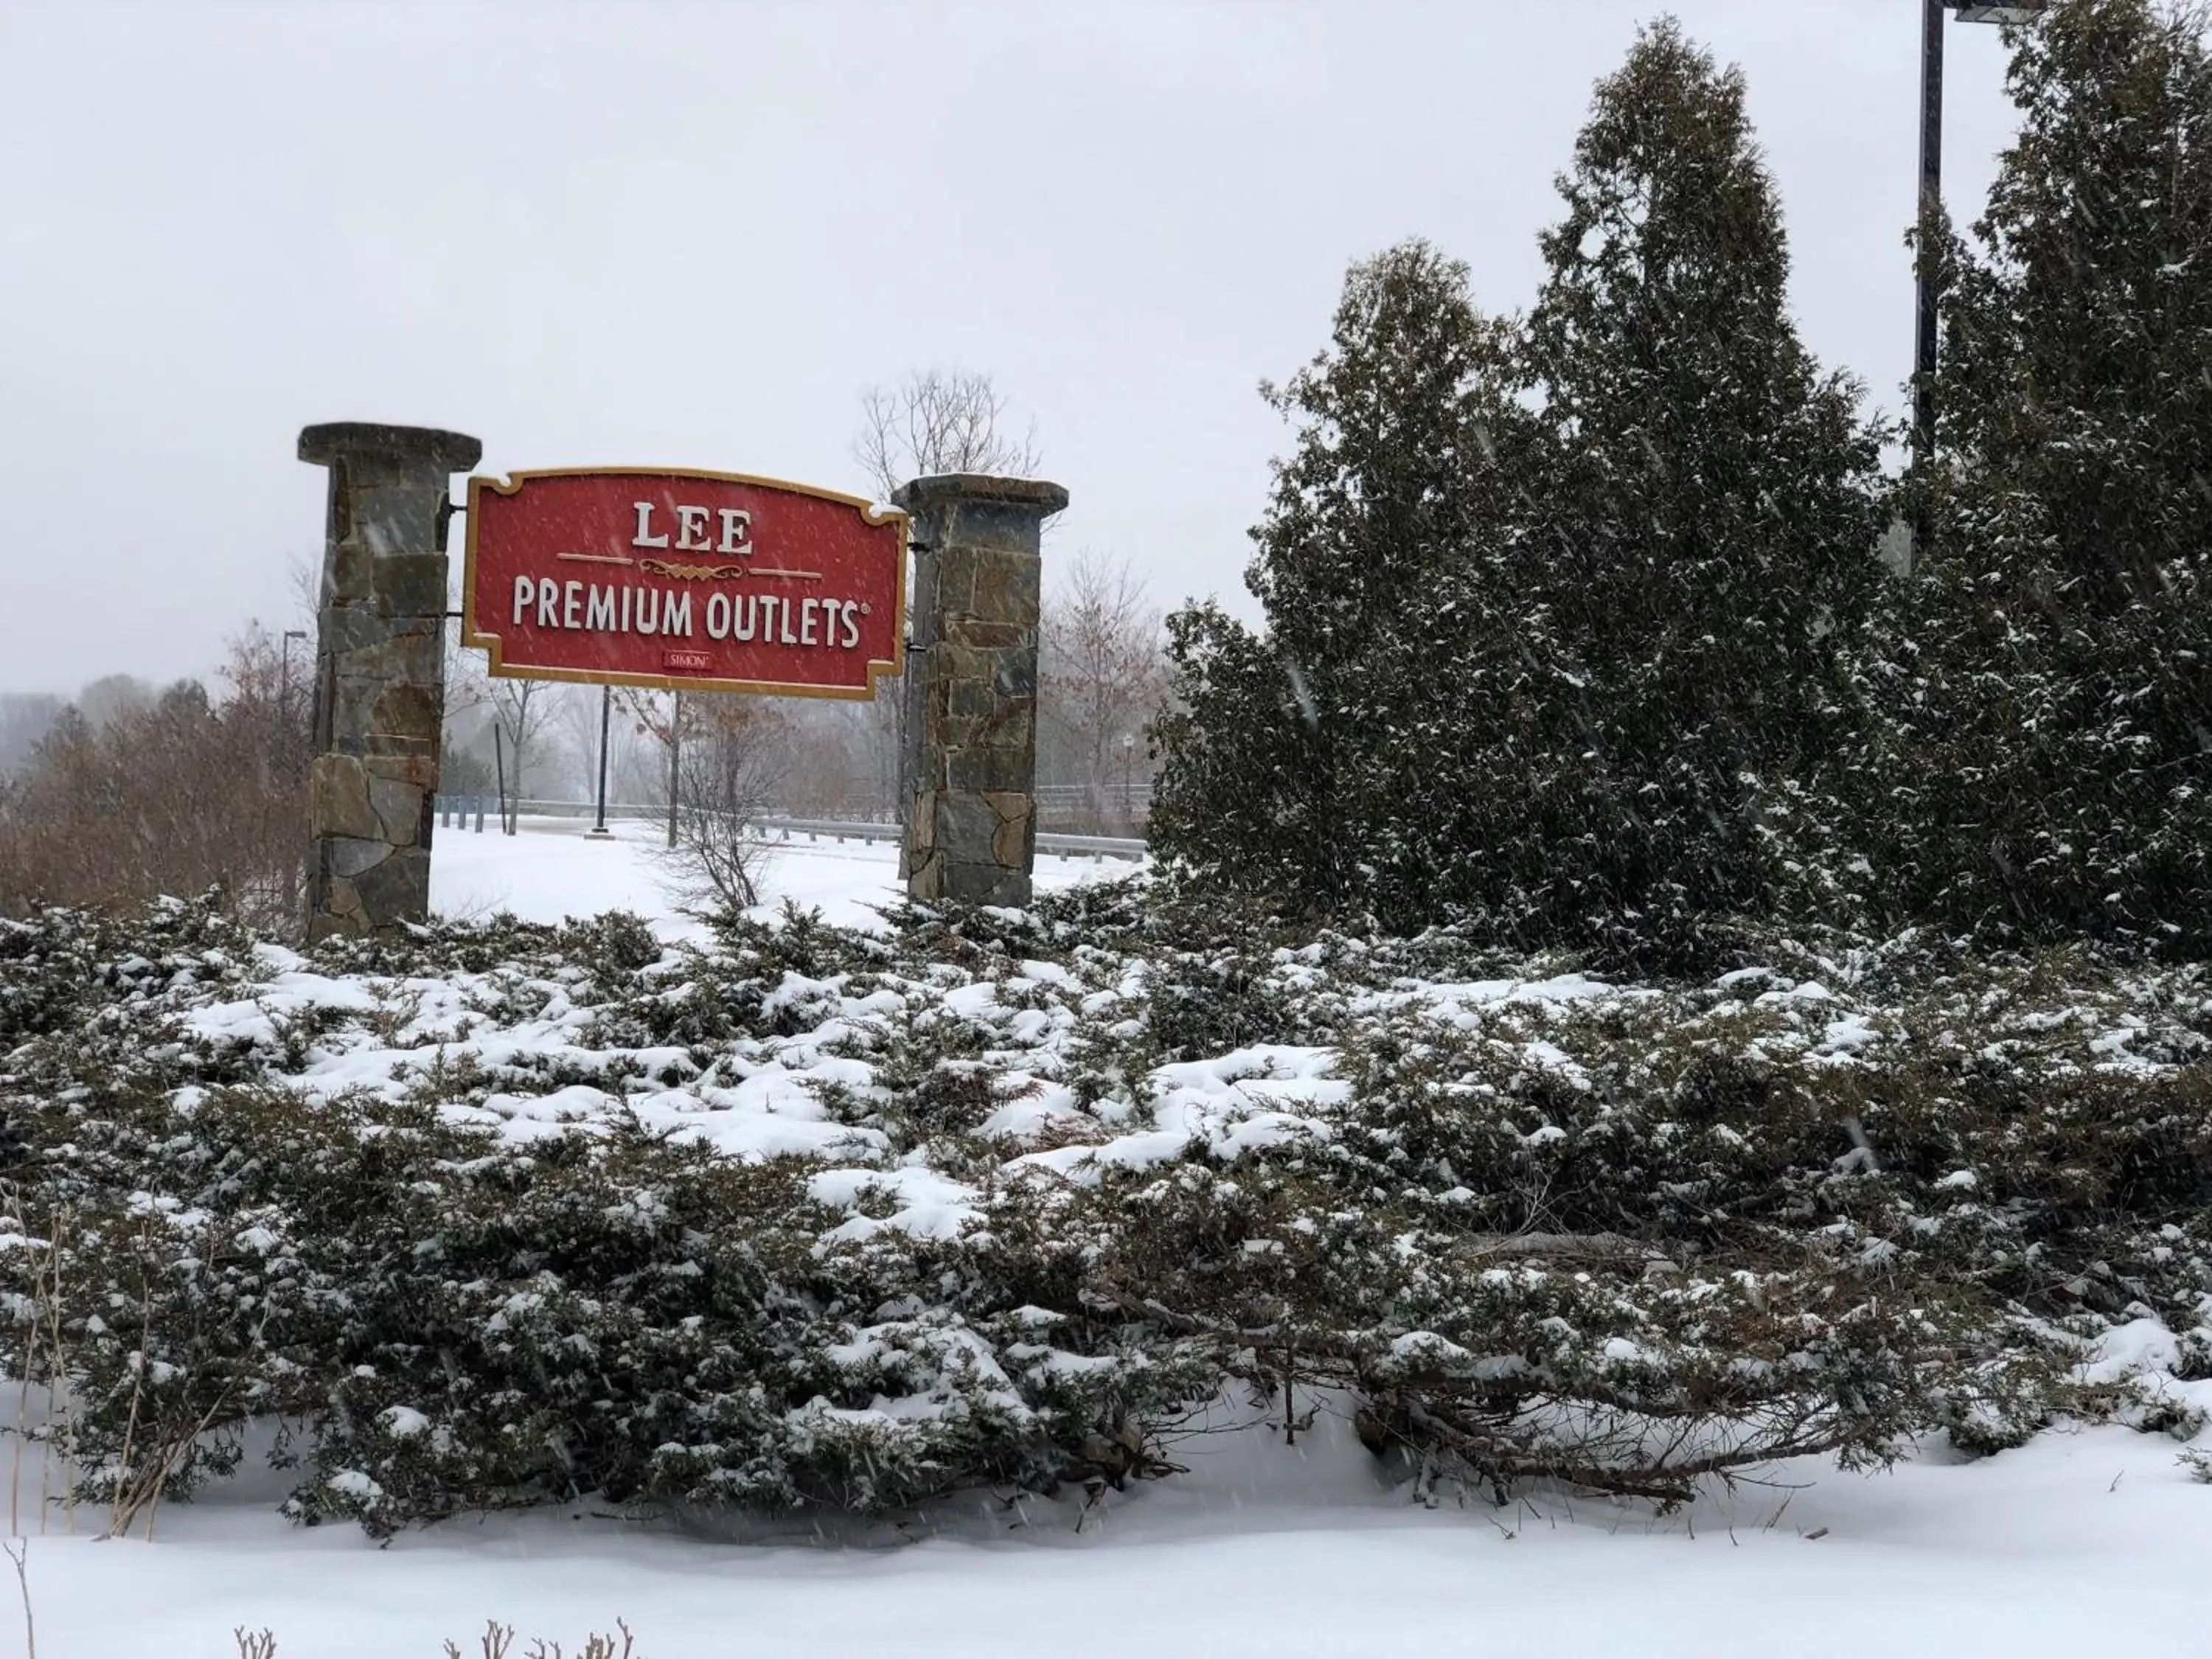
(472, 811)
(585, 809)
(1062, 801)
(1092, 846)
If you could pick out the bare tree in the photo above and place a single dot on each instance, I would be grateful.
(304, 577)
(574, 730)
(113, 697)
(938, 421)
(814, 746)
(25, 718)
(187, 791)
(830, 767)
(522, 708)
(728, 770)
(933, 420)
(1102, 677)
(660, 718)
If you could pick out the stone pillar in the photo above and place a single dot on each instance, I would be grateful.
(971, 686)
(379, 672)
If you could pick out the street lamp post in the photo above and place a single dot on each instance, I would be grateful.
(1931, 201)
(606, 716)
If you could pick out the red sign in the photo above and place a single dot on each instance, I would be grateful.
(685, 581)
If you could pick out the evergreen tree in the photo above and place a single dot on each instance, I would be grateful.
(1706, 518)
(1554, 612)
(2048, 700)
(1239, 798)
(1299, 762)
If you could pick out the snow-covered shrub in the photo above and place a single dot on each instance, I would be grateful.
(501, 1215)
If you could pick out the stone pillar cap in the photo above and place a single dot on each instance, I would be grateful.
(944, 488)
(449, 452)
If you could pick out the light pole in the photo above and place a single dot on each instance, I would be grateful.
(606, 715)
(1931, 202)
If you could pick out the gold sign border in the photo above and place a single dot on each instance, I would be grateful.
(870, 515)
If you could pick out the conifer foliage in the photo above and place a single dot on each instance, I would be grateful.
(2045, 687)
(1559, 601)
(1704, 521)
(1301, 763)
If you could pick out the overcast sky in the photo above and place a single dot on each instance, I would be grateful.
(692, 235)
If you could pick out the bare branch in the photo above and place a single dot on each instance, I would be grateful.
(729, 767)
(18, 1551)
(1102, 676)
(937, 421)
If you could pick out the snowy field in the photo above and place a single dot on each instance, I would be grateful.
(2091, 1545)
(2087, 1543)
(554, 869)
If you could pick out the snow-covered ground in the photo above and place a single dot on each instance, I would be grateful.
(2092, 1542)
(2079, 1546)
(554, 869)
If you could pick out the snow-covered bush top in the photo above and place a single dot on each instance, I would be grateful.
(504, 1214)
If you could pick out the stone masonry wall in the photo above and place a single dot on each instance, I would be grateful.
(970, 830)
(379, 672)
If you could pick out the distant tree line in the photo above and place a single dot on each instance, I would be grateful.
(129, 793)
(1577, 623)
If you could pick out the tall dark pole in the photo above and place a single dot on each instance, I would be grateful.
(1931, 206)
(606, 715)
